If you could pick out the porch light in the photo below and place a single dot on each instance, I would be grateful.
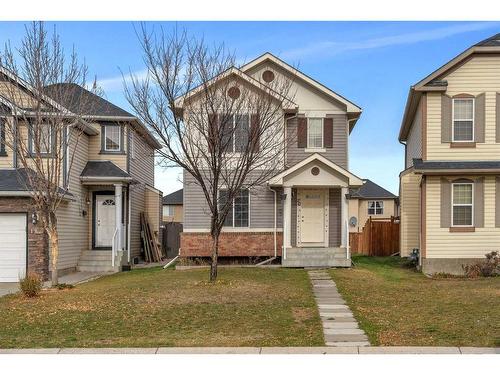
(34, 218)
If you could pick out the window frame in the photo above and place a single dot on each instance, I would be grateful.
(104, 150)
(170, 210)
(462, 205)
(233, 128)
(232, 212)
(31, 145)
(381, 204)
(453, 118)
(3, 151)
(322, 127)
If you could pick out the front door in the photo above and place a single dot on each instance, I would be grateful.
(104, 220)
(312, 217)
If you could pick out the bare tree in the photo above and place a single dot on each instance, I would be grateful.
(221, 126)
(43, 134)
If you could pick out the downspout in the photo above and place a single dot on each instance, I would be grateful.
(128, 224)
(275, 221)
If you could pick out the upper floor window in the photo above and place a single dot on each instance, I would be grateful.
(463, 119)
(236, 132)
(2, 137)
(112, 138)
(314, 133)
(239, 212)
(168, 210)
(462, 204)
(375, 207)
(41, 139)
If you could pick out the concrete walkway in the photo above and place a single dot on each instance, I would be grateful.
(262, 350)
(339, 325)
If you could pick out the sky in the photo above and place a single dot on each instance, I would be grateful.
(373, 64)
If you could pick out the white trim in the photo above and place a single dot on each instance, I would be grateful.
(322, 147)
(375, 201)
(353, 179)
(311, 150)
(232, 206)
(119, 138)
(462, 205)
(453, 119)
(233, 230)
(326, 214)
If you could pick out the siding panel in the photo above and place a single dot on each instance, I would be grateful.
(410, 212)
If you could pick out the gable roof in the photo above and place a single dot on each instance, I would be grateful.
(370, 190)
(353, 179)
(175, 198)
(351, 107)
(103, 169)
(15, 182)
(435, 82)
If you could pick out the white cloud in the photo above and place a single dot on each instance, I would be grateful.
(114, 84)
(334, 47)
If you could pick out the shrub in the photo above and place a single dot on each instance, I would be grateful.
(31, 285)
(487, 267)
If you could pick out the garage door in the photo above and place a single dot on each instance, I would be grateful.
(12, 247)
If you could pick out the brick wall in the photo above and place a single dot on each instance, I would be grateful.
(38, 254)
(231, 244)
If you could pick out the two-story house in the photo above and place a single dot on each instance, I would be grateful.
(450, 188)
(301, 213)
(110, 182)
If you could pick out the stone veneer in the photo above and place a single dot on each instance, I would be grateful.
(232, 244)
(38, 254)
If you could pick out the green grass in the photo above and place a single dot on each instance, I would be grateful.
(156, 307)
(399, 306)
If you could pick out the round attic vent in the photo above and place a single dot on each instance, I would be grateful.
(268, 76)
(234, 92)
(315, 171)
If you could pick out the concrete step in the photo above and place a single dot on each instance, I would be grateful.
(322, 262)
(99, 261)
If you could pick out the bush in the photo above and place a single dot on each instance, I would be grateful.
(31, 285)
(486, 268)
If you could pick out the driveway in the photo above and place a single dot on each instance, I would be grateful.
(8, 288)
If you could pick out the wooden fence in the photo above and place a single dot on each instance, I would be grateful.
(379, 237)
(171, 238)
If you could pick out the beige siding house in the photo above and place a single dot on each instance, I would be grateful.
(301, 214)
(110, 182)
(370, 200)
(450, 195)
(173, 207)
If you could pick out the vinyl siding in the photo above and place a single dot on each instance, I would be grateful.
(362, 211)
(354, 212)
(152, 208)
(414, 141)
(410, 212)
(337, 154)
(8, 160)
(95, 149)
(479, 75)
(73, 226)
(178, 216)
(335, 212)
(443, 244)
(141, 168)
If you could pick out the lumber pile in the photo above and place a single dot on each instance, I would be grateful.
(152, 249)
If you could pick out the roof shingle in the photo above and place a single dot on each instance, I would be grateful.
(174, 198)
(371, 190)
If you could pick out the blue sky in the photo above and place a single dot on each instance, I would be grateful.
(371, 63)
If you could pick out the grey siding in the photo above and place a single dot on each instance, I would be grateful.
(73, 226)
(414, 142)
(197, 213)
(335, 218)
(337, 154)
(141, 168)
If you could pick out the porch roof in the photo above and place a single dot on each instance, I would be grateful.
(103, 171)
(332, 179)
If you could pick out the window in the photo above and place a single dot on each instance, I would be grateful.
(315, 133)
(2, 137)
(236, 131)
(375, 207)
(112, 137)
(43, 139)
(238, 215)
(463, 120)
(462, 204)
(168, 210)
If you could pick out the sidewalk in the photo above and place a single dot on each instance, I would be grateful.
(263, 350)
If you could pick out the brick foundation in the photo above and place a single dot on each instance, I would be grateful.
(38, 254)
(232, 244)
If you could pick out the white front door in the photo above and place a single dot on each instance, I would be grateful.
(312, 217)
(12, 247)
(104, 220)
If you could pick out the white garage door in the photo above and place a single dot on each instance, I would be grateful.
(12, 247)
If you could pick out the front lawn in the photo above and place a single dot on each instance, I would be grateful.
(398, 306)
(156, 307)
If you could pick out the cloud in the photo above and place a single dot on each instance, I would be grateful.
(114, 84)
(333, 47)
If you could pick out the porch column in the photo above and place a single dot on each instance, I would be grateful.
(118, 215)
(345, 220)
(287, 216)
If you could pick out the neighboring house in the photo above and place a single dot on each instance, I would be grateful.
(172, 207)
(450, 188)
(301, 214)
(110, 183)
(370, 200)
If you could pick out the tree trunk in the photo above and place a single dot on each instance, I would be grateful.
(215, 255)
(54, 248)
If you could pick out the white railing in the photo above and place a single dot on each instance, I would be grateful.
(114, 248)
